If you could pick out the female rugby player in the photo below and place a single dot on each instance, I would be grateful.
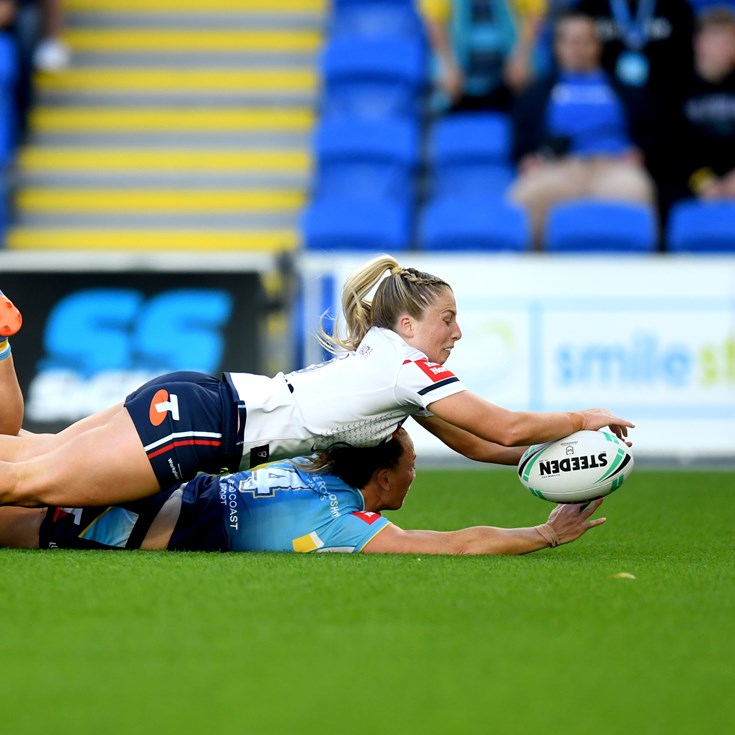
(327, 502)
(183, 423)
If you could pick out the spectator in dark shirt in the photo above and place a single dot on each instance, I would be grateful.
(574, 136)
(703, 123)
(646, 44)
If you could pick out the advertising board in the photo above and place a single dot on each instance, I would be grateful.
(653, 339)
(92, 334)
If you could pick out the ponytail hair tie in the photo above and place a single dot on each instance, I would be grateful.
(396, 270)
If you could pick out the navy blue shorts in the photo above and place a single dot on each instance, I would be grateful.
(188, 423)
(119, 527)
(201, 525)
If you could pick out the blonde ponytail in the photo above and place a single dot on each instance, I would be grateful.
(356, 308)
(402, 291)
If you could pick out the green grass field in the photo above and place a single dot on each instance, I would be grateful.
(107, 642)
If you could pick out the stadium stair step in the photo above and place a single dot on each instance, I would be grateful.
(152, 239)
(252, 125)
(197, 7)
(179, 126)
(193, 85)
(113, 41)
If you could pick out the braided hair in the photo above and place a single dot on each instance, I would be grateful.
(402, 291)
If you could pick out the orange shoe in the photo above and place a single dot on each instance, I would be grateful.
(10, 318)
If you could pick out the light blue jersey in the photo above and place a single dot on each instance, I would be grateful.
(281, 507)
(276, 507)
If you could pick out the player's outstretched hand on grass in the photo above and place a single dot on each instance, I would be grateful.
(571, 520)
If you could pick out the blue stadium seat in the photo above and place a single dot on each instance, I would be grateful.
(8, 116)
(461, 137)
(357, 157)
(472, 179)
(701, 227)
(595, 226)
(8, 120)
(470, 155)
(373, 77)
(375, 18)
(474, 223)
(335, 223)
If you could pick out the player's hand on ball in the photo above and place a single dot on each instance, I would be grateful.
(597, 418)
(571, 520)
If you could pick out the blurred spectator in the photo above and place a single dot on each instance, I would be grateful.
(702, 123)
(483, 50)
(37, 30)
(647, 44)
(7, 13)
(51, 53)
(647, 49)
(574, 137)
(8, 79)
(26, 31)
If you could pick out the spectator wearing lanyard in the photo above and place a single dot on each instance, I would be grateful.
(574, 136)
(646, 44)
(647, 50)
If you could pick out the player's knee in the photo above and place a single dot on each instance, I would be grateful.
(16, 490)
(19, 496)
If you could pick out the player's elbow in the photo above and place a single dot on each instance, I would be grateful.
(508, 437)
(476, 450)
(513, 432)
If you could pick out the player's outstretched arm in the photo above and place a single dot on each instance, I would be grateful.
(566, 523)
(493, 423)
(470, 445)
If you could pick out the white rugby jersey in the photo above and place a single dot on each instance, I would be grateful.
(359, 398)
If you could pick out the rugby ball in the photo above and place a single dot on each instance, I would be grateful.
(582, 466)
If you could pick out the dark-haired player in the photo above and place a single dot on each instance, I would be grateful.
(329, 502)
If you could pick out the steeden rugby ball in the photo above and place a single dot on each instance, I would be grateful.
(582, 466)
